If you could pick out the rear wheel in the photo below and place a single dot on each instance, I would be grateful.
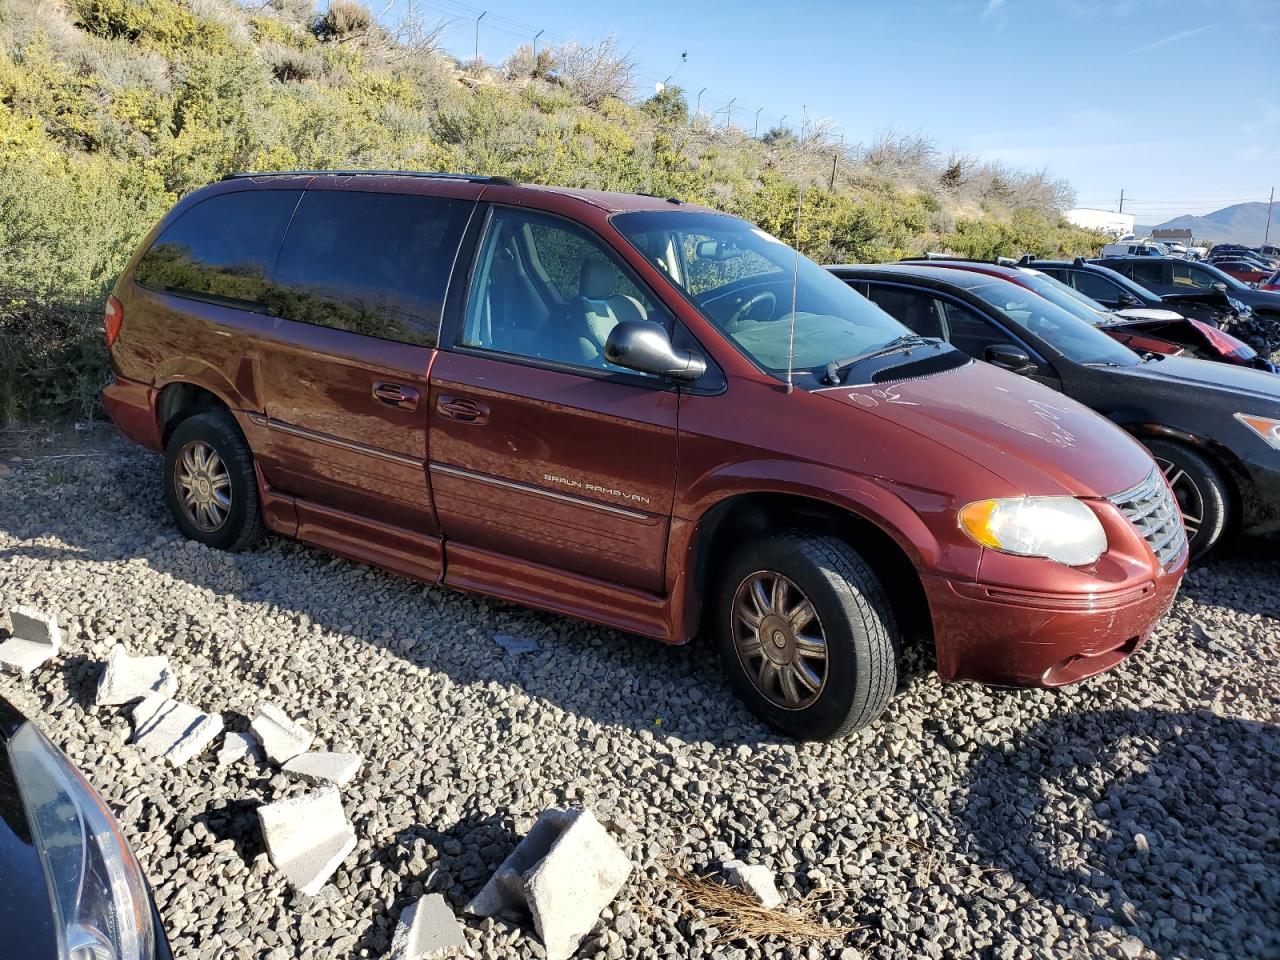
(1202, 493)
(210, 484)
(806, 635)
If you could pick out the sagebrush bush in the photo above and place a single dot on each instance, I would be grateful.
(110, 110)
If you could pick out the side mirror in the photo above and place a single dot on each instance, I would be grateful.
(1009, 357)
(644, 346)
(1127, 299)
(1220, 286)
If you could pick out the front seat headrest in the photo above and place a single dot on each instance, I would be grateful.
(597, 280)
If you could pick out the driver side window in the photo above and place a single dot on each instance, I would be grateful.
(547, 290)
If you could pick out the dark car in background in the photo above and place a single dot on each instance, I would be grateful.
(1271, 284)
(1213, 428)
(1167, 276)
(70, 887)
(1154, 329)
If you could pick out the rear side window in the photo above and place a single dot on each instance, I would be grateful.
(376, 264)
(1092, 285)
(222, 248)
(1148, 274)
(920, 312)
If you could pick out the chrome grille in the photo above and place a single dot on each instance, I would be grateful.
(1152, 509)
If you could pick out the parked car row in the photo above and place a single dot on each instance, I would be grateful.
(662, 419)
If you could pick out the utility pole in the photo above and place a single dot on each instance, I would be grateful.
(1267, 238)
(535, 48)
(478, 19)
(728, 113)
(755, 130)
(1121, 200)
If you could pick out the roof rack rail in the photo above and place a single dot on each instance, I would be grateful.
(429, 175)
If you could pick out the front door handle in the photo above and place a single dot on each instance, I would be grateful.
(396, 395)
(463, 409)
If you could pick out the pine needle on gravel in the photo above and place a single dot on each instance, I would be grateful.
(737, 914)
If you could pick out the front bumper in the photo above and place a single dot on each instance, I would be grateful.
(1013, 637)
(1261, 498)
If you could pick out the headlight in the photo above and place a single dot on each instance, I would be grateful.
(100, 901)
(1058, 528)
(1265, 427)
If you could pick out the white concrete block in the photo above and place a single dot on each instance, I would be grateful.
(564, 872)
(281, 737)
(428, 929)
(35, 637)
(129, 678)
(324, 767)
(753, 879)
(238, 746)
(307, 837)
(176, 732)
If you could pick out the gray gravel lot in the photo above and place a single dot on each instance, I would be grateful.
(1137, 815)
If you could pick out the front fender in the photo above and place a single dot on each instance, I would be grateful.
(873, 500)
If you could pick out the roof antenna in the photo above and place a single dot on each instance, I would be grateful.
(795, 270)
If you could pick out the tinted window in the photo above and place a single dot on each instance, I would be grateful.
(971, 333)
(1148, 274)
(222, 247)
(372, 263)
(547, 290)
(1076, 339)
(1099, 288)
(920, 312)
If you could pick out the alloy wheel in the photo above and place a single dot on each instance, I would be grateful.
(203, 486)
(779, 640)
(1190, 499)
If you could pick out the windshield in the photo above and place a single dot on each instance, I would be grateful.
(740, 278)
(1073, 337)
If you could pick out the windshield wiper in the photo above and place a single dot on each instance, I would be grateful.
(831, 371)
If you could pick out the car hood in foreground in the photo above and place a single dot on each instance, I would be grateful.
(1039, 441)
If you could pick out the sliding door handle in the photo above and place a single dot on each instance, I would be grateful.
(396, 395)
(463, 409)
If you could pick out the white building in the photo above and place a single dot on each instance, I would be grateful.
(1116, 224)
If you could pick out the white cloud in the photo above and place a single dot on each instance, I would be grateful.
(992, 7)
(1172, 38)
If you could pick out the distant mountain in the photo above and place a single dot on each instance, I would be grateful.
(1242, 223)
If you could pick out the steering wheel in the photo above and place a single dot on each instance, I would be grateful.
(743, 313)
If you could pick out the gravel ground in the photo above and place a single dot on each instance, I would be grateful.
(1137, 815)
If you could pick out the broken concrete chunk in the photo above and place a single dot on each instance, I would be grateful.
(324, 767)
(753, 879)
(281, 737)
(36, 637)
(237, 746)
(165, 728)
(129, 678)
(307, 837)
(426, 929)
(564, 872)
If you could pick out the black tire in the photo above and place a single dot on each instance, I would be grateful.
(241, 526)
(1202, 492)
(853, 614)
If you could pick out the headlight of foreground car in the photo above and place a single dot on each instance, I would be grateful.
(1265, 427)
(100, 900)
(1058, 528)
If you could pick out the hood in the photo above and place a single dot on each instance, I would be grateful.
(1148, 313)
(1224, 378)
(1039, 442)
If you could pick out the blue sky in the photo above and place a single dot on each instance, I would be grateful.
(1176, 101)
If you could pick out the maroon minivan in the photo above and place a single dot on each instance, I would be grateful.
(627, 409)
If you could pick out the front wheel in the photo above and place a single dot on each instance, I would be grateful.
(1202, 494)
(806, 635)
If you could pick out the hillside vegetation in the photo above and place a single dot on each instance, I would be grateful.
(110, 110)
